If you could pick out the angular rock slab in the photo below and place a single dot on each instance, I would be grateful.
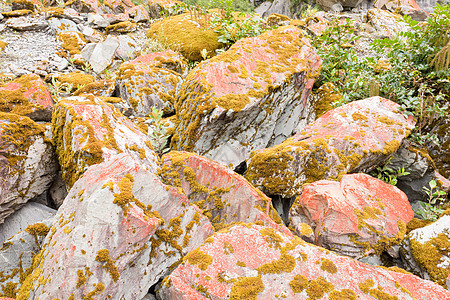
(166, 59)
(426, 251)
(357, 216)
(250, 97)
(118, 231)
(256, 262)
(223, 195)
(29, 96)
(16, 256)
(355, 137)
(87, 131)
(28, 163)
(144, 87)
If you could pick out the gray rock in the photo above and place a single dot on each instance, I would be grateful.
(59, 25)
(92, 35)
(263, 7)
(282, 7)
(29, 214)
(127, 48)
(26, 24)
(102, 55)
(58, 190)
(97, 20)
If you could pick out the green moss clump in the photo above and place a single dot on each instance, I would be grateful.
(246, 288)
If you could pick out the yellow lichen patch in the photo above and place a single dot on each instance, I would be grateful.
(75, 79)
(199, 258)
(299, 283)
(16, 13)
(285, 264)
(228, 248)
(416, 223)
(72, 41)
(317, 288)
(121, 27)
(3, 45)
(376, 292)
(39, 229)
(430, 256)
(103, 256)
(344, 294)
(246, 288)
(328, 266)
(305, 229)
(324, 97)
(99, 288)
(272, 237)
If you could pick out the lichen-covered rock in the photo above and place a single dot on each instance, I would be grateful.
(144, 87)
(75, 80)
(27, 162)
(83, 6)
(223, 195)
(100, 88)
(250, 97)
(166, 59)
(441, 152)
(404, 7)
(34, 5)
(29, 214)
(426, 251)
(72, 41)
(100, 55)
(358, 216)
(27, 96)
(121, 27)
(387, 23)
(353, 138)
(118, 231)
(186, 34)
(87, 131)
(256, 262)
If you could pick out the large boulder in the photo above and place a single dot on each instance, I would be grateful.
(252, 96)
(426, 251)
(223, 195)
(167, 59)
(404, 7)
(385, 22)
(27, 96)
(256, 262)
(353, 138)
(28, 162)
(358, 216)
(118, 231)
(87, 131)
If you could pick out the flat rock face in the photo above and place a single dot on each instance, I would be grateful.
(29, 96)
(386, 22)
(223, 195)
(28, 163)
(166, 59)
(426, 251)
(357, 216)
(88, 131)
(118, 231)
(255, 262)
(252, 96)
(352, 138)
(144, 87)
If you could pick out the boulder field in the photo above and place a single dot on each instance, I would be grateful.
(245, 184)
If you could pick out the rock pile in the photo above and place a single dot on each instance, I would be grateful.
(89, 209)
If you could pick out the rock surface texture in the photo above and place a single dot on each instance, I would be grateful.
(351, 138)
(250, 97)
(270, 265)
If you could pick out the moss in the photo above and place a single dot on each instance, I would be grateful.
(103, 256)
(75, 79)
(416, 223)
(198, 257)
(246, 288)
(324, 97)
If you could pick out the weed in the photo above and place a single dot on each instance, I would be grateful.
(158, 135)
(388, 174)
(431, 209)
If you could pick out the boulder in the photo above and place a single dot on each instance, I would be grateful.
(100, 55)
(127, 49)
(385, 22)
(27, 162)
(256, 262)
(167, 59)
(118, 231)
(404, 7)
(187, 34)
(97, 21)
(87, 131)
(223, 195)
(29, 214)
(282, 7)
(138, 13)
(144, 87)
(34, 5)
(100, 88)
(58, 25)
(29, 96)
(72, 41)
(252, 96)
(83, 6)
(16, 256)
(331, 5)
(357, 216)
(440, 151)
(426, 251)
(75, 80)
(355, 137)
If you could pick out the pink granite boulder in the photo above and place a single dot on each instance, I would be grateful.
(28, 96)
(223, 195)
(357, 216)
(256, 262)
(118, 231)
(353, 138)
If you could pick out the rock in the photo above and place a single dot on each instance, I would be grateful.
(223, 196)
(101, 55)
(72, 41)
(144, 87)
(355, 137)
(358, 216)
(16, 256)
(92, 35)
(83, 6)
(167, 59)
(282, 7)
(119, 6)
(426, 251)
(61, 25)
(113, 19)
(33, 5)
(119, 230)
(29, 214)
(100, 88)
(440, 150)
(256, 262)
(58, 190)
(97, 20)
(29, 96)
(27, 162)
(252, 96)
(25, 24)
(17, 13)
(404, 7)
(88, 131)
(121, 27)
(385, 22)
(338, 5)
(138, 13)
(157, 7)
(183, 33)
(127, 49)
